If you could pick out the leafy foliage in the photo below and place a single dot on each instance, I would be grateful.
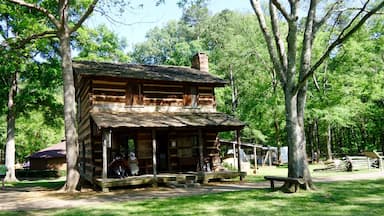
(100, 44)
(346, 94)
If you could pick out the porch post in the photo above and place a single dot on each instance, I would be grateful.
(201, 156)
(234, 154)
(270, 157)
(238, 153)
(106, 139)
(154, 161)
(255, 157)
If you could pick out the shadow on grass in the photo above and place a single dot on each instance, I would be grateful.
(336, 198)
(41, 184)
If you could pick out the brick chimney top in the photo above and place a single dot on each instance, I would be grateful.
(200, 62)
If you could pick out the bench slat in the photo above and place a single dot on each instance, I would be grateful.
(285, 179)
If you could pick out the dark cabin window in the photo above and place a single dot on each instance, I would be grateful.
(127, 146)
(190, 96)
(134, 95)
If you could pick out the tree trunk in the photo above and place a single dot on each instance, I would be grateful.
(71, 135)
(234, 90)
(11, 124)
(317, 138)
(329, 143)
(297, 156)
(310, 142)
(277, 136)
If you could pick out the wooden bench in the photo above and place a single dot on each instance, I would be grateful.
(296, 181)
(334, 165)
(357, 162)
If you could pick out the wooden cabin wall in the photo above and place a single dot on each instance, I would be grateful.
(109, 92)
(163, 94)
(183, 151)
(83, 96)
(184, 155)
(144, 151)
(96, 166)
(118, 95)
(212, 149)
(206, 96)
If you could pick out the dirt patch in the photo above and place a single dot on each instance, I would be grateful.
(24, 199)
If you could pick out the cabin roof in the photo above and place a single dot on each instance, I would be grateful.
(55, 151)
(146, 72)
(217, 120)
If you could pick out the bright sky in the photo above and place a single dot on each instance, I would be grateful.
(138, 22)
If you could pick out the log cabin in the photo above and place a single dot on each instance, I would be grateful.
(165, 115)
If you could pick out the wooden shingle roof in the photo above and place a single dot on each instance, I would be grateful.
(146, 72)
(220, 121)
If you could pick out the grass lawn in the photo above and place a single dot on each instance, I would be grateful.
(283, 171)
(341, 198)
(44, 184)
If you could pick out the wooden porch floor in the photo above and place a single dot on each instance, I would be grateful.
(163, 178)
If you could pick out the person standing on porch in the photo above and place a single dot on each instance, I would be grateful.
(133, 164)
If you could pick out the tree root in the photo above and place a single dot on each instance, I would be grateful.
(289, 187)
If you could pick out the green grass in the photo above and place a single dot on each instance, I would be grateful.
(342, 198)
(336, 198)
(283, 171)
(44, 184)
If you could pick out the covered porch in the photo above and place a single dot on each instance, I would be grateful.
(181, 147)
(166, 178)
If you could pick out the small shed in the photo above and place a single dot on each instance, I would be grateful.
(50, 158)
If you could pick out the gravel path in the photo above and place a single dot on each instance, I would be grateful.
(29, 199)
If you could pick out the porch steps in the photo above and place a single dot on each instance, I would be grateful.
(183, 180)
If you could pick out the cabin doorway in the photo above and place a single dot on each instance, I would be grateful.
(162, 151)
(127, 146)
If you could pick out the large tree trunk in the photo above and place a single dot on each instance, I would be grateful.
(317, 138)
(310, 142)
(72, 146)
(277, 137)
(10, 145)
(329, 143)
(297, 156)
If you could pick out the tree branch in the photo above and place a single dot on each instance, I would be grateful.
(18, 44)
(327, 15)
(63, 13)
(306, 52)
(340, 39)
(281, 9)
(114, 21)
(38, 8)
(353, 20)
(315, 82)
(87, 13)
(272, 53)
(276, 34)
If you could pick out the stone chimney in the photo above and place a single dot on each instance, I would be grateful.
(200, 62)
